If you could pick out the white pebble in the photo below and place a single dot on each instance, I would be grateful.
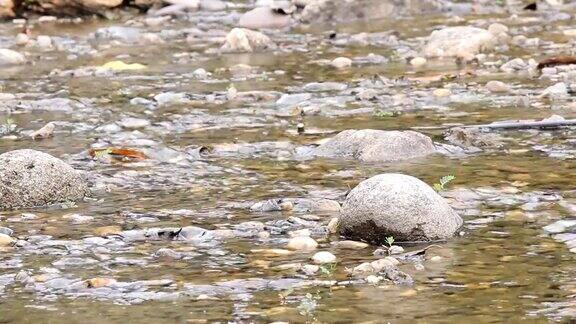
(305, 243)
(341, 62)
(497, 86)
(324, 257)
(418, 62)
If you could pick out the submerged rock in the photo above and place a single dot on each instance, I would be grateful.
(246, 40)
(472, 138)
(460, 41)
(397, 205)
(369, 145)
(324, 11)
(263, 17)
(30, 179)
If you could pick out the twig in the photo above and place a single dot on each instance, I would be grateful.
(527, 124)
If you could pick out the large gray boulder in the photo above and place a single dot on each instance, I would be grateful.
(459, 41)
(30, 178)
(369, 145)
(396, 205)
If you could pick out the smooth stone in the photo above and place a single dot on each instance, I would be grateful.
(323, 257)
(305, 243)
(497, 86)
(418, 61)
(459, 41)
(341, 62)
(441, 93)
(348, 244)
(133, 123)
(369, 145)
(246, 40)
(10, 57)
(6, 240)
(263, 17)
(397, 205)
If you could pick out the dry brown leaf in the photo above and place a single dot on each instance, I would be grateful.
(122, 154)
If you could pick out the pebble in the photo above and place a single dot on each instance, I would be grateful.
(305, 243)
(6, 240)
(44, 41)
(418, 61)
(354, 245)
(323, 257)
(310, 269)
(387, 262)
(442, 92)
(133, 123)
(10, 57)
(333, 225)
(167, 98)
(341, 62)
(395, 249)
(21, 39)
(373, 280)
(497, 86)
(99, 282)
(497, 29)
(108, 230)
(559, 90)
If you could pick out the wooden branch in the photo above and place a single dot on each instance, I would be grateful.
(527, 124)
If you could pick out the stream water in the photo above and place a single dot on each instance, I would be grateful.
(504, 268)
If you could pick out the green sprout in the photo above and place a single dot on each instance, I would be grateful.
(328, 269)
(390, 241)
(386, 114)
(443, 182)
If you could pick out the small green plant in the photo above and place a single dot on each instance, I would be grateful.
(443, 182)
(308, 305)
(327, 269)
(389, 241)
(386, 114)
(8, 126)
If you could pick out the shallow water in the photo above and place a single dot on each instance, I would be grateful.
(504, 268)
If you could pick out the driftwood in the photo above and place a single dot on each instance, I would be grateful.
(527, 124)
(550, 124)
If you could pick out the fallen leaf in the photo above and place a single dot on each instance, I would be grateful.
(121, 66)
(556, 60)
(99, 282)
(121, 154)
(43, 132)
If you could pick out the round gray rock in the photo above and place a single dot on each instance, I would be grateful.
(30, 178)
(370, 145)
(397, 205)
